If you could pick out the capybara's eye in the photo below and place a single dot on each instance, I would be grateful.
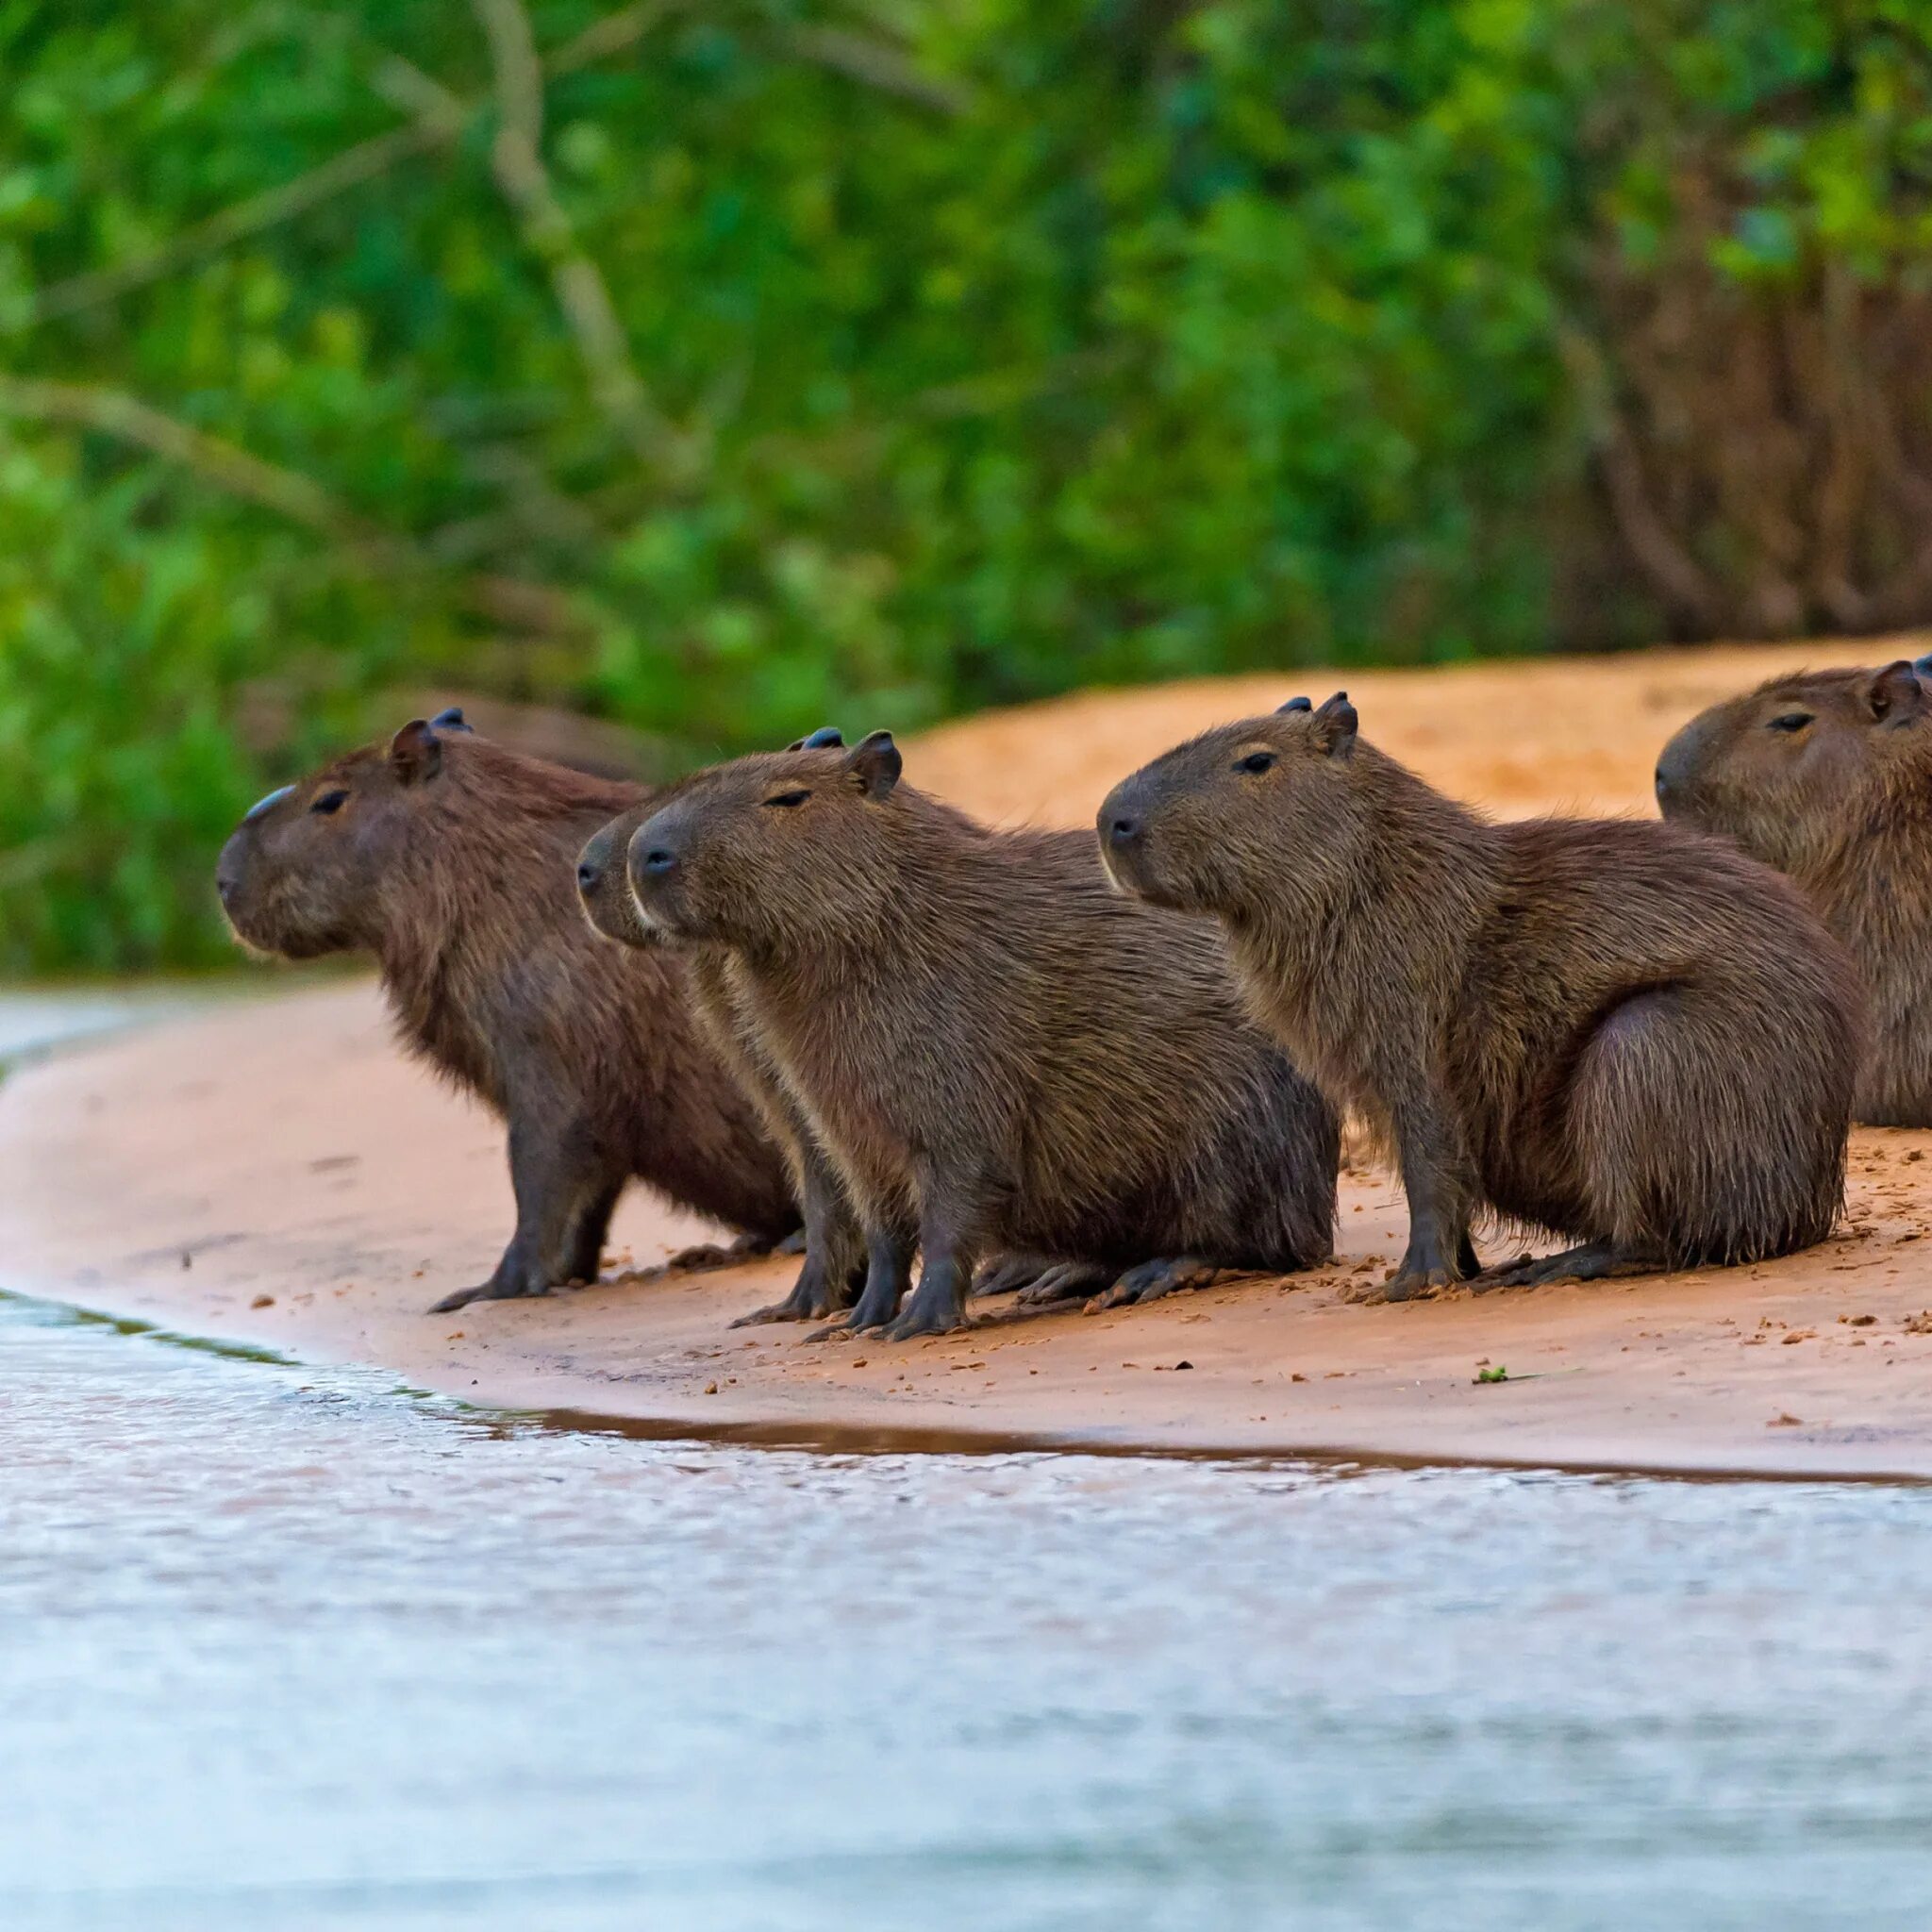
(1792, 720)
(788, 798)
(330, 801)
(1258, 761)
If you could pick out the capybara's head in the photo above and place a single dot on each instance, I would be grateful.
(604, 886)
(603, 878)
(1240, 814)
(787, 844)
(1788, 770)
(311, 869)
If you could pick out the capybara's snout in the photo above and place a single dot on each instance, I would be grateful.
(1676, 771)
(1124, 830)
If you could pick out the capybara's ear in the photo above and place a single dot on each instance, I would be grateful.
(452, 720)
(1334, 724)
(818, 740)
(414, 752)
(876, 763)
(1895, 693)
(1293, 705)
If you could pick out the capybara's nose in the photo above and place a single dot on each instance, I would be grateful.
(659, 864)
(1122, 828)
(1676, 767)
(589, 873)
(229, 871)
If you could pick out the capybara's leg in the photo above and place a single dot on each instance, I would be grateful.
(834, 1251)
(1436, 1181)
(547, 1171)
(1147, 1281)
(583, 1247)
(887, 1272)
(939, 1302)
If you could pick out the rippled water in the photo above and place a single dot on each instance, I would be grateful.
(284, 1649)
(281, 1648)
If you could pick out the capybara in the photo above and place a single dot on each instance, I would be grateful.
(451, 859)
(1001, 1056)
(1827, 775)
(834, 1246)
(1622, 1032)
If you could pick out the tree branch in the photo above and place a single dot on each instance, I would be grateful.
(517, 161)
(440, 118)
(286, 493)
(223, 464)
(349, 169)
(874, 63)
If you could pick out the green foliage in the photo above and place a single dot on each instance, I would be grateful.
(962, 354)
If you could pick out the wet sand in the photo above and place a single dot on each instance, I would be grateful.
(277, 1174)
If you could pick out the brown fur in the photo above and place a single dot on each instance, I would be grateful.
(1827, 775)
(1000, 1055)
(450, 859)
(1621, 1032)
(834, 1246)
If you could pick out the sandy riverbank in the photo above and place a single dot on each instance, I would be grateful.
(276, 1174)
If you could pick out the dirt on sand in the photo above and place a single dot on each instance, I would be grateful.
(275, 1172)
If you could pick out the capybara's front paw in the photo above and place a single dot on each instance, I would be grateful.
(494, 1290)
(811, 1300)
(1414, 1285)
(927, 1313)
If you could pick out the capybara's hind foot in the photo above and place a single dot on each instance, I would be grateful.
(704, 1256)
(1147, 1281)
(1591, 1261)
(1065, 1281)
(1011, 1272)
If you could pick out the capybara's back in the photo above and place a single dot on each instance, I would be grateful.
(1670, 1040)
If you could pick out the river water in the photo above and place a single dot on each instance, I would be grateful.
(283, 1647)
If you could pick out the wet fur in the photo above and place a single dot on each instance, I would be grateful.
(1624, 1033)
